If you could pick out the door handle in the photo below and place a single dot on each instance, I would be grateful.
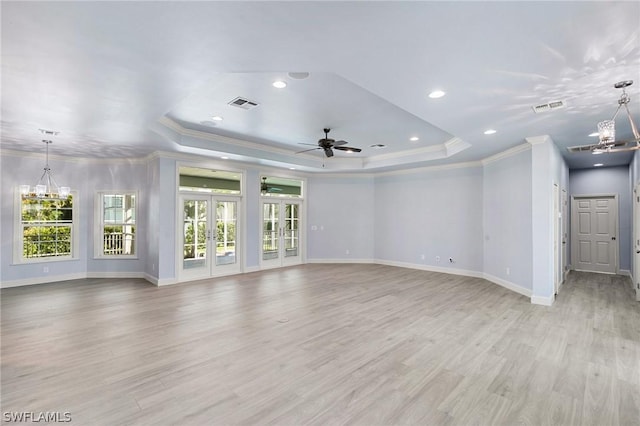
(638, 252)
(209, 234)
(613, 238)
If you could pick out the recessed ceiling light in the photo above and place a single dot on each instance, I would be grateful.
(436, 94)
(279, 84)
(597, 152)
(414, 138)
(598, 165)
(292, 168)
(489, 132)
(225, 158)
(299, 75)
(217, 118)
(594, 134)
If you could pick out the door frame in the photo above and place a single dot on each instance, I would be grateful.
(557, 247)
(301, 229)
(635, 282)
(574, 223)
(565, 234)
(213, 270)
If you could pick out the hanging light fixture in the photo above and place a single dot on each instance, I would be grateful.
(46, 188)
(607, 128)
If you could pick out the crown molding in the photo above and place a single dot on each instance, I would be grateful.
(507, 153)
(69, 159)
(537, 140)
(465, 165)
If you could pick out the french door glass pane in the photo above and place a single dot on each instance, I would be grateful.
(291, 230)
(226, 232)
(270, 227)
(195, 234)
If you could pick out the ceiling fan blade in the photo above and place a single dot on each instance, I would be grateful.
(347, 148)
(310, 144)
(341, 142)
(307, 150)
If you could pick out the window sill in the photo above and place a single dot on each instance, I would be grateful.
(116, 257)
(39, 260)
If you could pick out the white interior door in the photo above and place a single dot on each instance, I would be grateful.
(209, 237)
(636, 227)
(557, 261)
(281, 233)
(594, 244)
(565, 233)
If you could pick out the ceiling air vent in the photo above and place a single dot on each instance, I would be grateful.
(243, 103)
(548, 107)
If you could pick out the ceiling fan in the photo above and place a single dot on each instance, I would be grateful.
(328, 145)
(607, 129)
(265, 188)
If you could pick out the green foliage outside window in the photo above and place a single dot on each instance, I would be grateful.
(46, 227)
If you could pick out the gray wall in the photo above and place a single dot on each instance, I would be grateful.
(507, 219)
(432, 213)
(609, 180)
(634, 177)
(340, 217)
(86, 178)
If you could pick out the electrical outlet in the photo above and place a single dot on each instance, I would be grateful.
(422, 256)
(347, 251)
(508, 270)
(437, 259)
(45, 269)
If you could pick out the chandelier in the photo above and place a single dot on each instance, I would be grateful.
(607, 128)
(46, 188)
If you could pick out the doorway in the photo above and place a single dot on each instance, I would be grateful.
(281, 233)
(565, 234)
(557, 229)
(636, 239)
(209, 240)
(594, 233)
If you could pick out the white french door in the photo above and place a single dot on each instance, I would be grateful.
(281, 233)
(209, 236)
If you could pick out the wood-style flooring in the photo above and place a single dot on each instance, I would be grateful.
(323, 344)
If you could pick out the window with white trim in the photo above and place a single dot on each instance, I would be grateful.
(116, 232)
(47, 229)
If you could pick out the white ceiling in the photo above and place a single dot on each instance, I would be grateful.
(129, 78)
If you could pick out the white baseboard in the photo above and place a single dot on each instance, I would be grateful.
(42, 280)
(164, 281)
(543, 300)
(249, 269)
(508, 285)
(116, 274)
(444, 270)
(340, 261)
(624, 272)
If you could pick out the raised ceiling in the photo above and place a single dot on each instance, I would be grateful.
(129, 78)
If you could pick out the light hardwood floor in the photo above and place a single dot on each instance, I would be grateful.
(323, 344)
